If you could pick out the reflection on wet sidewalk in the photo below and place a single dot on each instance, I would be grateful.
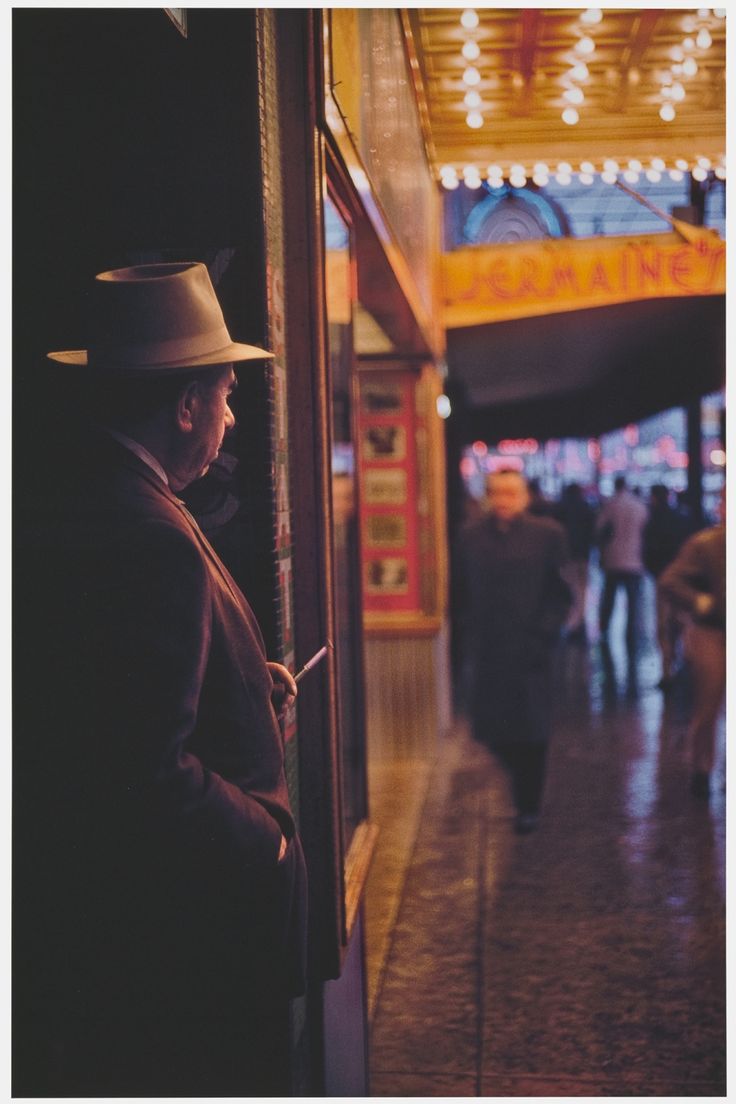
(588, 958)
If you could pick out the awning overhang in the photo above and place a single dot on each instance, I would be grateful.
(582, 373)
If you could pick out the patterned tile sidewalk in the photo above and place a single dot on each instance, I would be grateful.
(587, 959)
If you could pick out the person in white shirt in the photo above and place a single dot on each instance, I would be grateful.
(619, 531)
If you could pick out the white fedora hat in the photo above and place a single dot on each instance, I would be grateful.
(157, 318)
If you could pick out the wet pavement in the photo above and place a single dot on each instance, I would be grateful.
(586, 959)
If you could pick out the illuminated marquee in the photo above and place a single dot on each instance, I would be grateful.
(495, 283)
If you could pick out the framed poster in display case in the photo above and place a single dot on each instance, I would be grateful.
(402, 496)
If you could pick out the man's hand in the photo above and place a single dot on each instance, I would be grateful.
(283, 847)
(284, 688)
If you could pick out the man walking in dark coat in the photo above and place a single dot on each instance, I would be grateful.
(664, 532)
(159, 880)
(515, 602)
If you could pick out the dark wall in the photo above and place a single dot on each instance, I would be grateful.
(128, 138)
(135, 144)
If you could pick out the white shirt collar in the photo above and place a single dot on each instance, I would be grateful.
(141, 452)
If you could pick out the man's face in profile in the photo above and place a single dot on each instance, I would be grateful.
(507, 495)
(210, 419)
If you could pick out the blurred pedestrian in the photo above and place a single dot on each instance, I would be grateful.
(539, 505)
(515, 602)
(578, 520)
(696, 581)
(619, 531)
(664, 534)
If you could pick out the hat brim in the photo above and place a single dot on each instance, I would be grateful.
(231, 354)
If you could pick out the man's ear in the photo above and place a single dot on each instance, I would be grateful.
(186, 407)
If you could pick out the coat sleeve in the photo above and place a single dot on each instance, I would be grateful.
(686, 579)
(153, 649)
(557, 596)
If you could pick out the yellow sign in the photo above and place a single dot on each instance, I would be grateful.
(493, 283)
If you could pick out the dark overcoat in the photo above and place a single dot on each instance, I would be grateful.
(514, 601)
(150, 796)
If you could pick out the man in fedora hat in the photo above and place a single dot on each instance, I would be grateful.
(159, 878)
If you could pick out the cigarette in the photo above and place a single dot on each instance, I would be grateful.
(313, 661)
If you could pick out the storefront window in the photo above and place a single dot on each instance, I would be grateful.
(345, 519)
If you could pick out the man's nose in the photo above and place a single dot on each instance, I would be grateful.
(229, 419)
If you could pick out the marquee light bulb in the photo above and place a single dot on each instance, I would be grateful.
(585, 46)
(631, 177)
(587, 167)
(444, 406)
(591, 16)
(579, 72)
(471, 50)
(677, 53)
(676, 175)
(667, 112)
(653, 176)
(574, 95)
(704, 162)
(450, 183)
(682, 164)
(585, 178)
(472, 99)
(608, 177)
(564, 168)
(635, 165)
(570, 116)
(699, 174)
(704, 40)
(611, 166)
(563, 178)
(469, 19)
(471, 76)
(474, 119)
